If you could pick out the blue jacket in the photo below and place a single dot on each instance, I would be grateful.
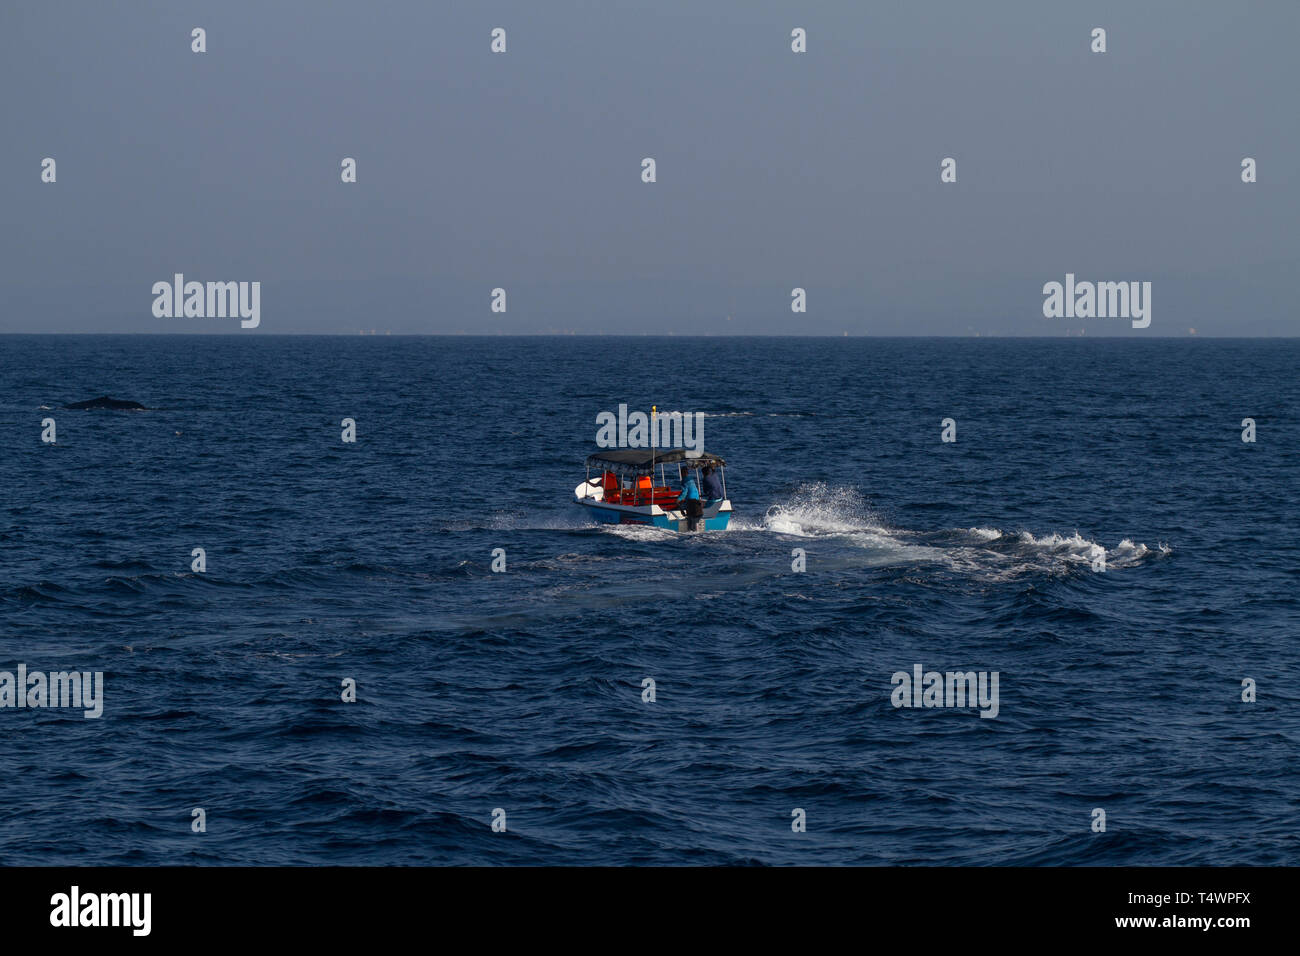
(689, 491)
(712, 487)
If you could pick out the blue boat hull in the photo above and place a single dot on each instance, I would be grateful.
(608, 515)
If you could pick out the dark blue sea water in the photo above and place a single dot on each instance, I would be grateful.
(1119, 690)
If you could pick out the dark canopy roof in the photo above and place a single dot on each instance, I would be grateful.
(645, 458)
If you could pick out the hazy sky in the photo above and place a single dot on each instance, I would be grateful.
(775, 169)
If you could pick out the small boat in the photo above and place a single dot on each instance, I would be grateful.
(623, 489)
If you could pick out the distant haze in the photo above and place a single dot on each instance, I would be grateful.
(775, 169)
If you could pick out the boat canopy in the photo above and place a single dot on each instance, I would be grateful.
(643, 460)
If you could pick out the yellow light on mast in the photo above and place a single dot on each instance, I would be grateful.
(654, 412)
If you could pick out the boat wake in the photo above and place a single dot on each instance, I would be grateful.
(742, 414)
(840, 527)
(817, 509)
(842, 515)
(642, 532)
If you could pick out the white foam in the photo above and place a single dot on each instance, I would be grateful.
(889, 549)
(740, 414)
(1076, 549)
(819, 509)
(639, 532)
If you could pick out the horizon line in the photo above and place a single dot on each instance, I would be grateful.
(373, 334)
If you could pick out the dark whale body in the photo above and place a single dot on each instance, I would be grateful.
(105, 402)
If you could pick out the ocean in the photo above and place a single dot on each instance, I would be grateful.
(521, 696)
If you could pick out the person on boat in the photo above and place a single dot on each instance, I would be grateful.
(712, 489)
(690, 497)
